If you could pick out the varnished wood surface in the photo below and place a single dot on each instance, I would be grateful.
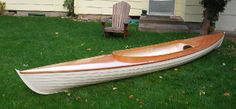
(114, 30)
(117, 59)
(197, 43)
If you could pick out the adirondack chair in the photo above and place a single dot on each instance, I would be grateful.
(120, 19)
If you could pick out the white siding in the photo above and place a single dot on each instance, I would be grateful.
(193, 11)
(189, 10)
(179, 8)
(35, 5)
(227, 20)
(105, 6)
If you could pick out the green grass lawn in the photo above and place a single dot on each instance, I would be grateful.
(27, 42)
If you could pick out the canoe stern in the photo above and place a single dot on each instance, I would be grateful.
(221, 40)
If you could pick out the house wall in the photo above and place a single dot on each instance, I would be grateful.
(227, 20)
(180, 8)
(104, 7)
(193, 11)
(35, 5)
(189, 10)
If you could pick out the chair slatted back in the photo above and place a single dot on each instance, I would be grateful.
(120, 13)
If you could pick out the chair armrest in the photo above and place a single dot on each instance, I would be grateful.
(126, 21)
(103, 20)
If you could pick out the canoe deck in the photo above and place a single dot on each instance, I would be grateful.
(173, 49)
(133, 56)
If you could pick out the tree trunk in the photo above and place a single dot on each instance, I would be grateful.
(205, 23)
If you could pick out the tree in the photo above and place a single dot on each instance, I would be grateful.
(212, 9)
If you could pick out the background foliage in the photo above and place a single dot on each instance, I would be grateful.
(69, 4)
(212, 9)
(2, 7)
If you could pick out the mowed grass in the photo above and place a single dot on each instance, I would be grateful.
(27, 42)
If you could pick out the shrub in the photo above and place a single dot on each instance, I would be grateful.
(69, 4)
(2, 7)
(212, 9)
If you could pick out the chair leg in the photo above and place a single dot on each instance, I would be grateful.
(103, 25)
(125, 34)
(105, 34)
(125, 30)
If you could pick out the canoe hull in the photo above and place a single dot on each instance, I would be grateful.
(49, 83)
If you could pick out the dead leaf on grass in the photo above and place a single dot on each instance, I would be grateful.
(114, 88)
(25, 65)
(82, 44)
(234, 69)
(141, 102)
(140, 106)
(68, 94)
(89, 49)
(226, 94)
(202, 92)
(131, 96)
(56, 33)
(176, 69)
(224, 64)
(78, 98)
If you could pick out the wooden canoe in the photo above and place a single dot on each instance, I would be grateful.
(120, 64)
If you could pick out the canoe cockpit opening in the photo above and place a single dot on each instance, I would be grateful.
(187, 47)
(157, 51)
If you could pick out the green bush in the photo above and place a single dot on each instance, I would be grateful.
(69, 4)
(212, 9)
(2, 7)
